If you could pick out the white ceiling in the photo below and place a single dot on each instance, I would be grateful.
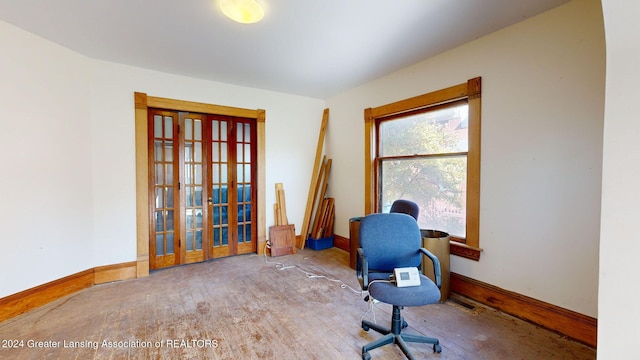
(315, 48)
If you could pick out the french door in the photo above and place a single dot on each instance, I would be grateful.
(202, 188)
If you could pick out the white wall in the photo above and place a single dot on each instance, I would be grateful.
(542, 123)
(68, 155)
(292, 125)
(619, 314)
(45, 162)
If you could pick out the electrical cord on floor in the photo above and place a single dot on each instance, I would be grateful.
(372, 302)
(279, 265)
(310, 275)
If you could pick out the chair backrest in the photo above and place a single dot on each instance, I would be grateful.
(405, 207)
(390, 240)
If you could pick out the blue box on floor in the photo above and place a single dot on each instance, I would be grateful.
(320, 244)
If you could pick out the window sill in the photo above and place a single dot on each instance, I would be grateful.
(462, 250)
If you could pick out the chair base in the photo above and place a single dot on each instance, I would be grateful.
(395, 336)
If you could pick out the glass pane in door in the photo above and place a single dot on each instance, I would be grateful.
(243, 176)
(193, 185)
(163, 158)
(219, 198)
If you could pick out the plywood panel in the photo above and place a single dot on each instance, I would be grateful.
(282, 239)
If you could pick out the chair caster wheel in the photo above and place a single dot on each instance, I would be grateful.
(437, 348)
(365, 328)
(366, 356)
(404, 324)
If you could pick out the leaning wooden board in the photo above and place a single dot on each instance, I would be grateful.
(316, 167)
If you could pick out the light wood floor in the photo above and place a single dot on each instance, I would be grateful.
(244, 308)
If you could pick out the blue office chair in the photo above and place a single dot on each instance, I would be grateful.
(389, 241)
(405, 207)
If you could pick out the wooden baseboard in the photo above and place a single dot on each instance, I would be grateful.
(124, 271)
(574, 325)
(18, 303)
(341, 242)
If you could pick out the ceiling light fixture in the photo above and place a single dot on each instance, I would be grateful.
(242, 11)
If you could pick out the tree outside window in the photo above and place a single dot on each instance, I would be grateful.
(422, 157)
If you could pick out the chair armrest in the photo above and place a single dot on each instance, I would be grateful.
(436, 266)
(362, 269)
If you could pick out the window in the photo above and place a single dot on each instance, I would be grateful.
(427, 149)
(422, 157)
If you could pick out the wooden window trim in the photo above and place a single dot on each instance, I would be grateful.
(142, 103)
(471, 90)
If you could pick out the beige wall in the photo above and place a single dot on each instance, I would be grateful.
(68, 155)
(542, 123)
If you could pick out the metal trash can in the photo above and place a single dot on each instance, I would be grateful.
(437, 242)
(354, 242)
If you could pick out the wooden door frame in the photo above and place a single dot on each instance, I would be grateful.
(143, 210)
